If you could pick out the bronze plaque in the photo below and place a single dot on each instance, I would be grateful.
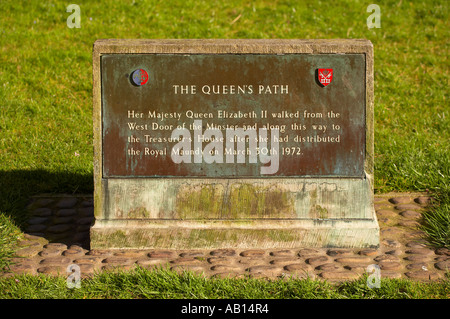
(233, 115)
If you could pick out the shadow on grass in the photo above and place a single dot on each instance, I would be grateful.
(18, 186)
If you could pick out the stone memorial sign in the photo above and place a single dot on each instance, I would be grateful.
(233, 143)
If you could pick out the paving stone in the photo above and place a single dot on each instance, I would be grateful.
(381, 206)
(317, 260)
(83, 228)
(50, 252)
(408, 223)
(36, 228)
(329, 267)
(54, 270)
(88, 259)
(67, 202)
(87, 203)
(414, 234)
(99, 252)
(63, 220)
(416, 244)
(339, 275)
(78, 247)
(58, 229)
(348, 264)
(56, 260)
(225, 268)
(408, 207)
(42, 202)
(73, 253)
(361, 268)
(186, 261)
(390, 265)
(417, 258)
(220, 260)
(27, 243)
(353, 259)
(298, 267)
(401, 200)
(442, 251)
(369, 252)
(28, 251)
(308, 252)
(391, 231)
(37, 220)
(282, 253)
(392, 243)
(386, 257)
(38, 239)
(386, 213)
(443, 265)
(81, 236)
(23, 268)
(87, 269)
(86, 211)
(66, 212)
(152, 262)
(265, 270)
(338, 252)
(422, 275)
(223, 252)
(412, 214)
(423, 200)
(161, 254)
(420, 251)
(252, 253)
(59, 246)
(129, 253)
(85, 221)
(114, 260)
(285, 260)
(192, 254)
(252, 261)
(42, 212)
(60, 237)
(385, 221)
(394, 252)
(419, 266)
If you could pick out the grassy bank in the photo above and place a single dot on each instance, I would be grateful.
(166, 284)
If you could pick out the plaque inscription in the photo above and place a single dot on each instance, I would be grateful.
(224, 115)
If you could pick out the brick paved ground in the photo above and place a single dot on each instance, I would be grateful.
(57, 236)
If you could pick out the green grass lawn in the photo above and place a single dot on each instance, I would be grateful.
(167, 284)
(46, 86)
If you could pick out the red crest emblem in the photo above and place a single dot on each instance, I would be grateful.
(325, 76)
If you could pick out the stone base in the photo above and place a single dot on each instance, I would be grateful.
(238, 213)
(237, 234)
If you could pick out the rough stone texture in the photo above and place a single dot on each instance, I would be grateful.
(397, 256)
(355, 231)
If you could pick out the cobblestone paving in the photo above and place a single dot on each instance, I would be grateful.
(57, 236)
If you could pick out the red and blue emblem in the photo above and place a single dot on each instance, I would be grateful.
(139, 77)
